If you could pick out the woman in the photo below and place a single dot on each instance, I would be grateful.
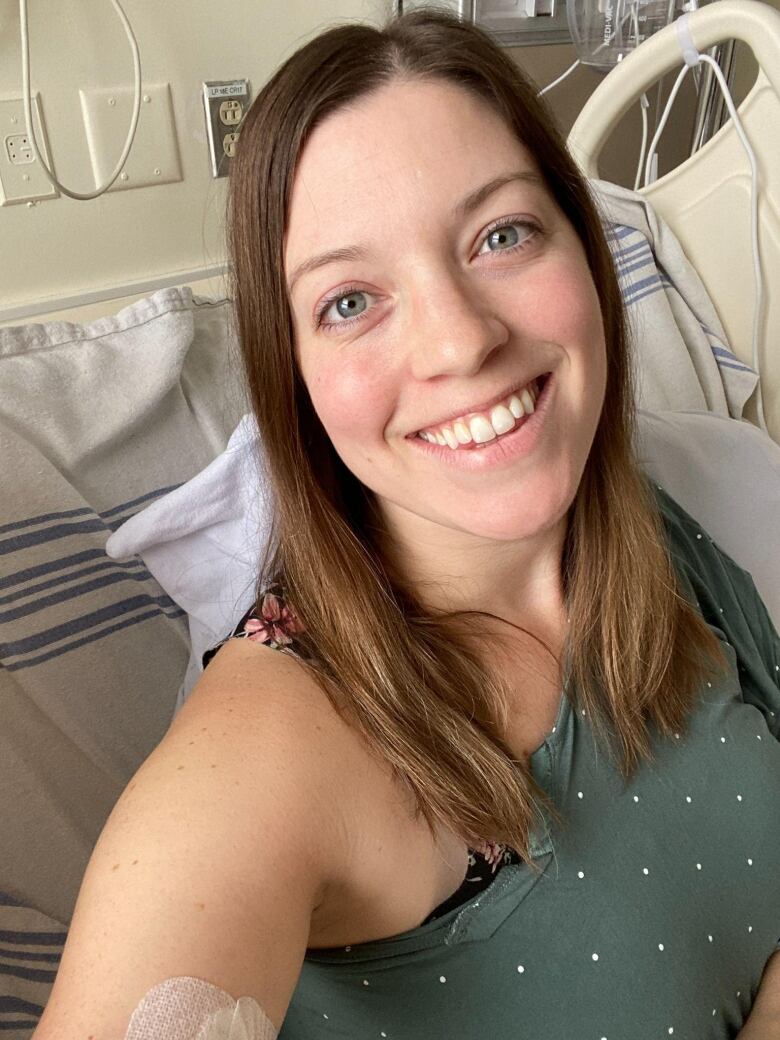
(516, 769)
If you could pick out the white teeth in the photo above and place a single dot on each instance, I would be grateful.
(515, 407)
(481, 430)
(501, 419)
(462, 432)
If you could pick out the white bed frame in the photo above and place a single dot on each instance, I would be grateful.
(706, 199)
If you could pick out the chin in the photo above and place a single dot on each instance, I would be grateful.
(517, 525)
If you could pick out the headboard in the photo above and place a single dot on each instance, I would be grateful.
(706, 199)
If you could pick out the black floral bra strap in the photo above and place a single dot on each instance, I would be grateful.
(270, 620)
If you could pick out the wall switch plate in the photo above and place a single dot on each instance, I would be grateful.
(154, 155)
(21, 176)
(226, 103)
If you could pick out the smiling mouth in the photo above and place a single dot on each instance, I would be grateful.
(482, 428)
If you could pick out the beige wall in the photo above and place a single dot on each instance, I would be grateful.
(63, 247)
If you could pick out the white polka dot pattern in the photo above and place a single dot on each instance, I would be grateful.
(661, 887)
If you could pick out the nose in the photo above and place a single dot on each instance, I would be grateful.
(453, 329)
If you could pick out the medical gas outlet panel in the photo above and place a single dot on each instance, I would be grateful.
(153, 158)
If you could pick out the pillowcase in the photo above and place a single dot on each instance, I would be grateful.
(203, 542)
(726, 474)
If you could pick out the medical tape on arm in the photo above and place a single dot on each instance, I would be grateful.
(185, 1008)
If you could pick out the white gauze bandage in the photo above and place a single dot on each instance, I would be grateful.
(185, 1008)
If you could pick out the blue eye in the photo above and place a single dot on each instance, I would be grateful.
(505, 237)
(346, 306)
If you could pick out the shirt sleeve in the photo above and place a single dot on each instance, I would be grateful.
(757, 644)
(730, 603)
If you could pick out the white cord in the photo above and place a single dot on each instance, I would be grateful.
(600, 47)
(28, 105)
(757, 271)
(644, 104)
(631, 13)
(662, 122)
(560, 79)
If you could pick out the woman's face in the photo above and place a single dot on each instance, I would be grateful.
(455, 279)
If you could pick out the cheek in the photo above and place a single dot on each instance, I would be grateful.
(563, 306)
(352, 400)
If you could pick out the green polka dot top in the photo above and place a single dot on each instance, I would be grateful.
(659, 902)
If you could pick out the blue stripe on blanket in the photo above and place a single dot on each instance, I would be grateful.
(725, 357)
(31, 954)
(623, 256)
(639, 278)
(30, 590)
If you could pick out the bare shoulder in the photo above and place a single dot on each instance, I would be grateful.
(768, 997)
(264, 694)
(257, 731)
(217, 854)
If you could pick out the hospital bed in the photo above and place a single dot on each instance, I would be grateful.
(706, 200)
(121, 406)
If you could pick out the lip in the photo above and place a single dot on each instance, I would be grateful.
(521, 441)
(473, 409)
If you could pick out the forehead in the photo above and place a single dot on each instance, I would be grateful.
(407, 147)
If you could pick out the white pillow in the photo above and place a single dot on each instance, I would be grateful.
(726, 473)
(202, 542)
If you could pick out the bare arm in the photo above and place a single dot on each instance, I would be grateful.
(764, 1020)
(213, 860)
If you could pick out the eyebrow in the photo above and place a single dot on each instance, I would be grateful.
(461, 209)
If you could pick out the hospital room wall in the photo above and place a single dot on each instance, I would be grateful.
(61, 248)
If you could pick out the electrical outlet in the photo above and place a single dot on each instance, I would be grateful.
(19, 149)
(230, 112)
(226, 103)
(21, 176)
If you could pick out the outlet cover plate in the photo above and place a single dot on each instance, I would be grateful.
(22, 182)
(226, 102)
(154, 155)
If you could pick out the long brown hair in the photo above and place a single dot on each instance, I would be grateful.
(410, 679)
